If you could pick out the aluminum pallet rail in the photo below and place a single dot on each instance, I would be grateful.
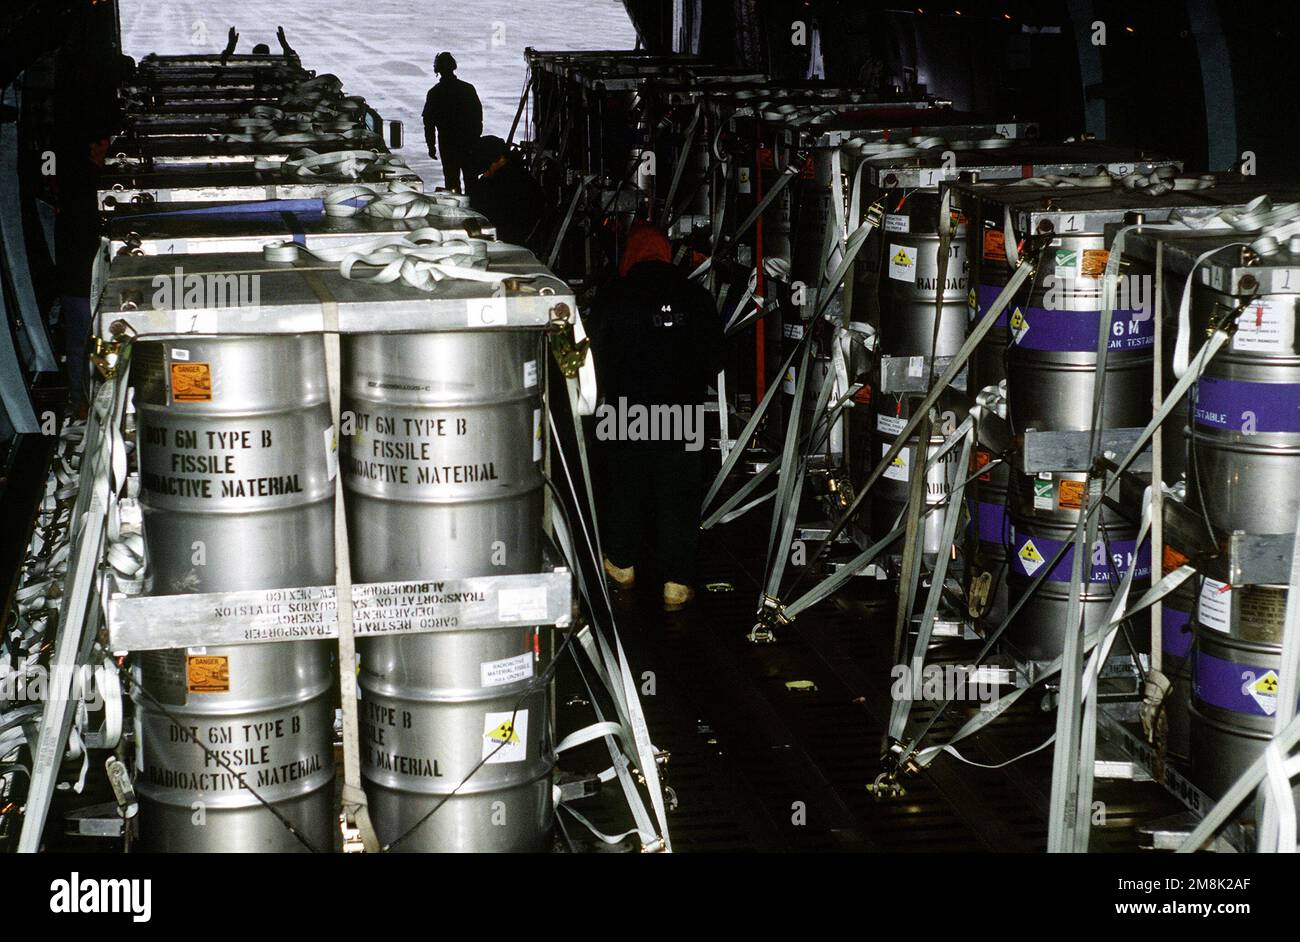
(384, 173)
(198, 230)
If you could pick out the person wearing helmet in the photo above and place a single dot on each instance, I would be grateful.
(453, 120)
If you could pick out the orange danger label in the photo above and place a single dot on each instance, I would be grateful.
(191, 382)
(980, 459)
(1070, 494)
(1093, 263)
(863, 396)
(995, 245)
(1172, 559)
(207, 673)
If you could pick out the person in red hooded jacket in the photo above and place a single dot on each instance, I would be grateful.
(656, 337)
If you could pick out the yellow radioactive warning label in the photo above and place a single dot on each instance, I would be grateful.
(1264, 691)
(1019, 323)
(505, 736)
(1030, 557)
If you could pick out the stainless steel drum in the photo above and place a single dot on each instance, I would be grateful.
(1038, 630)
(909, 315)
(1052, 359)
(1234, 682)
(910, 283)
(443, 482)
(237, 493)
(1244, 467)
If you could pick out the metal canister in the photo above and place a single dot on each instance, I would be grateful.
(910, 286)
(236, 475)
(1244, 463)
(919, 318)
(1052, 359)
(1235, 679)
(443, 481)
(1039, 628)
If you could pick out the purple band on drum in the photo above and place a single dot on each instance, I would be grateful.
(1234, 686)
(1236, 405)
(1031, 552)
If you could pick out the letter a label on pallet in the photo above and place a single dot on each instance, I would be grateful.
(505, 737)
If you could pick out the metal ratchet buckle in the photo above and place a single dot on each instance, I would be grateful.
(569, 354)
(887, 784)
(770, 616)
(876, 214)
(352, 843)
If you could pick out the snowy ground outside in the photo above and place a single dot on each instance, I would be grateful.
(383, 49)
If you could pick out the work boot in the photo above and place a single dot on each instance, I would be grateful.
(622, 578)
(677, 596)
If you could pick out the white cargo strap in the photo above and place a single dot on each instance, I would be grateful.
(103, 472)
(1277, 827)
(342, 165)
(620, 767)
(357, 827)
(417, 259)
(598, 834)
(607, 663)
(402, 202)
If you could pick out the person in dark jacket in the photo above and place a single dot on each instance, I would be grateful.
(452, 111)
(501, 188)
(657, 342)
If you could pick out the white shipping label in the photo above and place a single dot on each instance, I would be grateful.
(485, 312)
(902, 263)
(1267, 325)
(890, 425)
(897, 223)
(537, 435)
(527, 604)
(508, 670)
(788, 384)
(1216, 605)
(898, 468)
(178, 354)
(505, 737)
(530, 374)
